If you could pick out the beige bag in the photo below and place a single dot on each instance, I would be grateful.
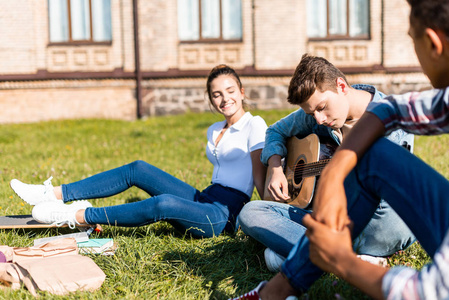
(12, 277)
(58, 247)
(55, 267)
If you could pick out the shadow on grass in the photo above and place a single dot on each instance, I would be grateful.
(158, 229)
(109, 231)
(238, 262)
(225, 261)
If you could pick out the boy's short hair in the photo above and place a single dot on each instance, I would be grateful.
(429, 14)
(311, 74)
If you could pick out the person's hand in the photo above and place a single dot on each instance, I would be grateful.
(330, 249)
(278, 185)
(329, 204)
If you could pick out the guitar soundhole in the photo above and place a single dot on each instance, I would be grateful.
(299, 169)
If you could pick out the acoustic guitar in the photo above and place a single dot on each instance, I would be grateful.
(305, 160)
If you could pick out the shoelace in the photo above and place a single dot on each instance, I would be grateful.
(61, 219)
(252, 295)
(64, 217)
(48, 186)
(61, 223)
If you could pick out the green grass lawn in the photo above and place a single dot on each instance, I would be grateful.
(155, 261)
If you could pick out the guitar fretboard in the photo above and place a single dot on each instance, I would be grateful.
(311, 169)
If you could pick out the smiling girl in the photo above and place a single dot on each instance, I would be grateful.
(233, 147)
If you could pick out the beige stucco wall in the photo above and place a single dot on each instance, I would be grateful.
(280, 33)
(18, 44)
(399, 50)
(274, 39)
(56, 100)
(158, 34)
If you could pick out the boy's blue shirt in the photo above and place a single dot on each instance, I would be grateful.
(299, 124)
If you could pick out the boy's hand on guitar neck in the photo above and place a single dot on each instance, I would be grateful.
(278, 185)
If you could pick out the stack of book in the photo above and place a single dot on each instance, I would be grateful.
(97, 246)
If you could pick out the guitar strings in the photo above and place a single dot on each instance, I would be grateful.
(314, 164)
(311, 169)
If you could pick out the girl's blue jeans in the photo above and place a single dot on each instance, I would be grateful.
(203, 214)
(413, 189)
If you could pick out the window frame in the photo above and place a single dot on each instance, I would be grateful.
(70, 41)
(213, 40)
(336, 37)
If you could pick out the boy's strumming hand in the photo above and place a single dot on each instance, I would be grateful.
(277, 186)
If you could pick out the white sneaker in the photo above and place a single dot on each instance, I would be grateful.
(34, 193)
(58, 213)
(375, 260)
(273, 260)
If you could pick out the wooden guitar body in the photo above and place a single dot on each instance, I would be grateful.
(305, 160)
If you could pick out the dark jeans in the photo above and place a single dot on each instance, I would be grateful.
(415, 191)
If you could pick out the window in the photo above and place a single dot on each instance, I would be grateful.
(76, 21)
(209, 20)
(338, 18)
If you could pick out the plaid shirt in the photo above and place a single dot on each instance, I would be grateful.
(425, 113)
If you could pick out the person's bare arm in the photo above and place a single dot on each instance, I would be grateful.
(329, 205)
(259, 171)
(331, 251)
(277, 186)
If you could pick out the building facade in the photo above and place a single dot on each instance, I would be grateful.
(126, 59)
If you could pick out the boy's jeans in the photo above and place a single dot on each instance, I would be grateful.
(413, 189)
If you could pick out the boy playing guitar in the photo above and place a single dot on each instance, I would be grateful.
(329, 109)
